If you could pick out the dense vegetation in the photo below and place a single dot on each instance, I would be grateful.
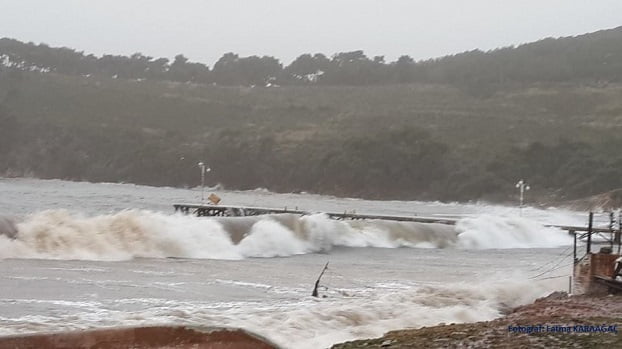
(595, 57)
(463, 127)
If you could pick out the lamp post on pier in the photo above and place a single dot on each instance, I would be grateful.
(204, 170)
(522, 187)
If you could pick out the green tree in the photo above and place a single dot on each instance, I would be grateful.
(306, 68)
(232, 69)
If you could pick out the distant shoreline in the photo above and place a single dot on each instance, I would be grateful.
(604, 201)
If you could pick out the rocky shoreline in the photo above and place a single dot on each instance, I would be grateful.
(556, 321)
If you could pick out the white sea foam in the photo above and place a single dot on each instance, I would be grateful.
(310, 322)
(487, 231)
(59, 234)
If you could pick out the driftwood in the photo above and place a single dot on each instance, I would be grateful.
(317, 282)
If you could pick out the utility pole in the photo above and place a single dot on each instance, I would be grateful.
(204, 170)
(522, 187)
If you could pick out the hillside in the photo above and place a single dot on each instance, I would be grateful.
(464, 137)
(594, 57)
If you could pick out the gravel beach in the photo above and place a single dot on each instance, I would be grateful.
(556, 321)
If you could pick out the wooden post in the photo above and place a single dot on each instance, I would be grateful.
(617, 232)
(317, 282)
(589, 232)
(612, 228)
(575, 247)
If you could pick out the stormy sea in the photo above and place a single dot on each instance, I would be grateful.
(77, 255)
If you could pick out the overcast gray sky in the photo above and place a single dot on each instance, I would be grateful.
(205, 29)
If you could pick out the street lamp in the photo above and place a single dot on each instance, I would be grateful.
(204, 170)
(522, 187)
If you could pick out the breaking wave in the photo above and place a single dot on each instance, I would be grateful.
(325, 323)
(59, 234)
(7, 227)
(310, 322)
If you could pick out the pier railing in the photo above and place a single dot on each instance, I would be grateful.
(580, 232)
(242, 211)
